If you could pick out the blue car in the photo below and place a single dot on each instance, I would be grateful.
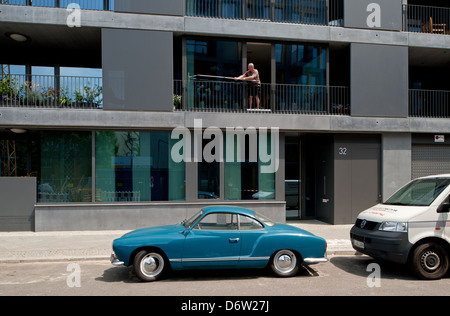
(218, 237)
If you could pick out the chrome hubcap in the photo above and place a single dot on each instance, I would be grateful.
(152, 264)
(285, 261)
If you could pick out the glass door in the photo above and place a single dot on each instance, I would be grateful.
(292, 183)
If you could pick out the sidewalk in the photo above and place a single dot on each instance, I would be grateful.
(96, 245)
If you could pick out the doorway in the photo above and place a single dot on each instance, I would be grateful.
(308, 165)
(292, 182)
(260, 54)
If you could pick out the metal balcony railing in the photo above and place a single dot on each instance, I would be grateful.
(429, 103)
(224, 96)
(426, 19)
(316, 12)
(100, 5)
(45, 91)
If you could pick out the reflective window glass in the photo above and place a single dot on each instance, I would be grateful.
(65, 167)
(218, 221)
(248, 223)
(136, 166)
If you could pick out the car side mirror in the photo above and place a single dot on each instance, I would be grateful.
(444, 208)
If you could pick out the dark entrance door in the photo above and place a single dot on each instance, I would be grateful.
(292, 183)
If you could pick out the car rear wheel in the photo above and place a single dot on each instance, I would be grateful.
(429, 261)
(149, 265)
(284, 263)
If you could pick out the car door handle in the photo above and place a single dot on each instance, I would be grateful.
(233, 240)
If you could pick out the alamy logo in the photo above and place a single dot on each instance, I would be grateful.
(74, 278)
(374, 18)
(260, 145)
(74, 17)
(374, 278)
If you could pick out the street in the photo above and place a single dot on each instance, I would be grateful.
(342, 275)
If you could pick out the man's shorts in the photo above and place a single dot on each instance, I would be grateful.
(254, 91)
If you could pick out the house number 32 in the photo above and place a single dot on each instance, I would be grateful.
(343, 151)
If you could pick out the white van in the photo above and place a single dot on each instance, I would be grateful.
(411, 227)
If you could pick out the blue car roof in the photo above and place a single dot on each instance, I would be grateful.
(228, 209)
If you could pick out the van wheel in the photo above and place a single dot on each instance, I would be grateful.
(429, 261)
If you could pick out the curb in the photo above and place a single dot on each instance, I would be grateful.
(30, 259)
(49, 260)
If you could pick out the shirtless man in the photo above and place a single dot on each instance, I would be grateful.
(252, 74)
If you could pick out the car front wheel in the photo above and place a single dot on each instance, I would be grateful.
(149, 265)
(284, 263)
(429, 261)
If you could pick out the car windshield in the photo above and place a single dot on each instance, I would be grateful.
(421, 192)
(189, 222)
(264, 219)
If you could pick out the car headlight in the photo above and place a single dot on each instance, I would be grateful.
(394, 226)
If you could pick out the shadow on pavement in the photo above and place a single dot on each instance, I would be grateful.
(127, 275)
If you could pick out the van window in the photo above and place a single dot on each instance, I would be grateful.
(421, 192)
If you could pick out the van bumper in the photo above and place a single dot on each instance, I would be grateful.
(390, 246)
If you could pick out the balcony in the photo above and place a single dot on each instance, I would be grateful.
(100, 5)
(315, 12)
(426, 19)
(44, 91)
(429, 103)
(231, 96)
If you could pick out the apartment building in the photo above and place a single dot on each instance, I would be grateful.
(98, 96)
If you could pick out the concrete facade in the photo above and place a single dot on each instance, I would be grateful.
(379, 80)
(133, 215)
(18, 196)
(396, 151)
(136, 48)
(382, 15)
(132, 61)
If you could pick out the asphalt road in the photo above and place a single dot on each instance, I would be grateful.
(342, 275)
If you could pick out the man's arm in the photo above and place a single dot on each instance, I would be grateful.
(253, 76)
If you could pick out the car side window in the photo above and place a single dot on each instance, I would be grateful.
(248, 223)
(218, 221)
(447, 200)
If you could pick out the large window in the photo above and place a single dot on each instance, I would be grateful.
(136, 166)
(208, 178)
(19, 153)
(212, 57)
(65, 168)
(301, 77)
(244, 178)
(301, 64)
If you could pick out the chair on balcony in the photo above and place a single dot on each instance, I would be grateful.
(430, 27)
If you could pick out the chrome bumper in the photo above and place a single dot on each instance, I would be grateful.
(115, 261)
(315, 260)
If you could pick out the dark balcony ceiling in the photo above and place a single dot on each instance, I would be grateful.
(429, 57)
(431, 3)
(51, 45)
